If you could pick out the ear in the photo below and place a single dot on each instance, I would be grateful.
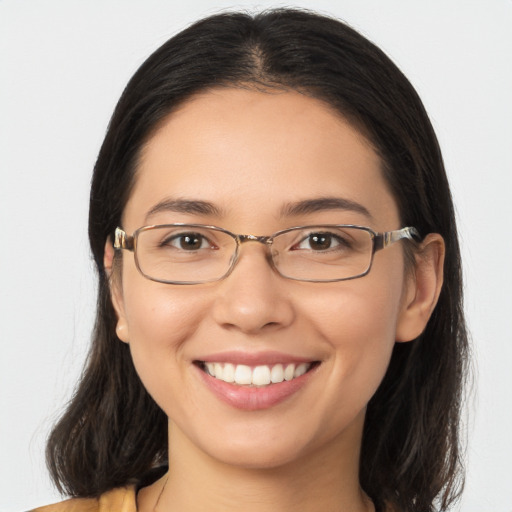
(422, 288)
(116, 292)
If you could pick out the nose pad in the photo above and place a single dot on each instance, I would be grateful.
(234, 259)
(273, 259)
(270, 253)
(232, 263)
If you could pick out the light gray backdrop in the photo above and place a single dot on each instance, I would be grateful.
(63, 65)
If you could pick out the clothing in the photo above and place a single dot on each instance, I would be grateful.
(121, 499)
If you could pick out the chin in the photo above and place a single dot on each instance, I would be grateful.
(266, 447)
(257, 457)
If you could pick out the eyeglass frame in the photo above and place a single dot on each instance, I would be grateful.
(379, 241)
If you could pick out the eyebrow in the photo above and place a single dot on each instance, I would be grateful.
(192, 206)
(309, 206)
(305, 207)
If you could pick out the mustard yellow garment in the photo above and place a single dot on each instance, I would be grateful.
(122, 499)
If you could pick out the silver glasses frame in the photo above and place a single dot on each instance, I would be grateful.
(379, 241)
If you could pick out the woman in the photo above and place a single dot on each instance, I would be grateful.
(279, 318)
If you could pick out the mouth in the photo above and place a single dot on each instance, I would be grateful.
(255, 376)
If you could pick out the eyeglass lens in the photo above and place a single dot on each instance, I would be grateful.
(192, 254)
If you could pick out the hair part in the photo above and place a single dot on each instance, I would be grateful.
(112, 431)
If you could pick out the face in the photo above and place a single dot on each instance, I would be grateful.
(251, 155)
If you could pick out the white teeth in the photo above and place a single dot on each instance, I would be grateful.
(262, 375)
(300, 370)
(289, 371)
(229, 373)
(218, 372)
(243, 374)
(211, 369)
(277, 374)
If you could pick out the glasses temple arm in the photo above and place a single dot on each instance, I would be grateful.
(122, 240)
(382, 240)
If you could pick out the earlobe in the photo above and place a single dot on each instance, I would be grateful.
(122, 330)
(116, 295)
(422, 289)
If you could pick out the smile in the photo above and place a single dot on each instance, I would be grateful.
(256, 381)
(255, 376)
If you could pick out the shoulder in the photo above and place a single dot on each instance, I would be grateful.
(121, 499)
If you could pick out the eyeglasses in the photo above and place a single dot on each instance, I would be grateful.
(194, 253)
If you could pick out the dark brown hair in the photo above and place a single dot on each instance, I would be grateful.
(112, 431)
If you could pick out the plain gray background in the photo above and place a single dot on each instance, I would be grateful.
(63, 65)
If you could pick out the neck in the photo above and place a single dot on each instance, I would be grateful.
(325, 479)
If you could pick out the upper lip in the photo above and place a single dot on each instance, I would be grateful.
(254, 358)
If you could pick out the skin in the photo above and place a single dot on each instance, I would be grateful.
(250, 153)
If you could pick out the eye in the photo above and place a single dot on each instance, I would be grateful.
(187, 242)
(321, 241)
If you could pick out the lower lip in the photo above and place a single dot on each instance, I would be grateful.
(254, 398)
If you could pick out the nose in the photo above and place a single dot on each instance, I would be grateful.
(253, 298)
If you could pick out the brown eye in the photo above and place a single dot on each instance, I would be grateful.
(190, 242)
(187, 242)
(320, 241)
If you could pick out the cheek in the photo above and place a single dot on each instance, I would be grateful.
(358, 324)
(156, 313)
(357, 311)
(359, 336)
(160, 320)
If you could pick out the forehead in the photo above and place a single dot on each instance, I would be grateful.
(251, 152)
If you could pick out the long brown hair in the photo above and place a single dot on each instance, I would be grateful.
(112, 431)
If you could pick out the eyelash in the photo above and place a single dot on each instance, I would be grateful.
(181, 236)
(341, 242)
